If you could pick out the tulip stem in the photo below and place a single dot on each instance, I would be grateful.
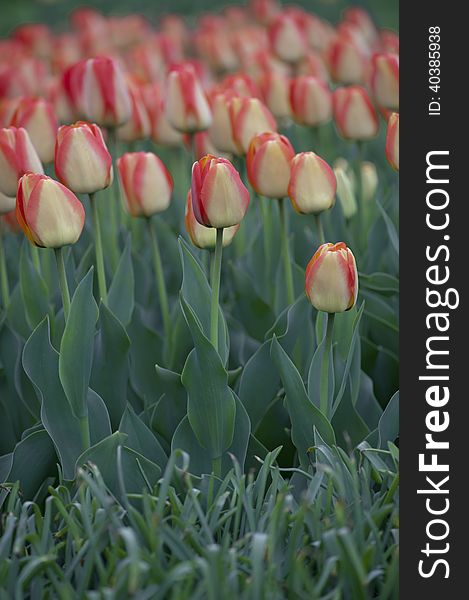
(114, 212)
(216, 274)
(3, 274)
(35, 258)
(324, 381)
(160, 282)
(286, 252)
(266, 212)
(85, 432)
(99, 250)
(320, 228)
(216, 466)
(59, 257)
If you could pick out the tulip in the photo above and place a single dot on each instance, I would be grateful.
(242, 85)
(331, 280)
(385, 80)
(348, 58)
(346, 192)
(268, 164)
(103, 94)
(369, 181)
(145, 182)
(219, 200)
(37, 116)
(362, 21)
(202, 145)
(389, 41)
(220, 131)
(264, 10)
(162, 132)
(312, 184)
(287, 39)
(313, 64)
(311, 101)
(201, 236)
(354, 114)
(17, 156)
(219, 197)
(275, 88)
(82, 160)
(392, 141)
(138, 127)
(49, 213)
(249, 117)
(187, 108)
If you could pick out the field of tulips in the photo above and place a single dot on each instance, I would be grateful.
(199, 265)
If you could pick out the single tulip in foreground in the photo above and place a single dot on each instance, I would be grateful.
(82, 160)
(312, 184)
(49, 213)
(331, 278)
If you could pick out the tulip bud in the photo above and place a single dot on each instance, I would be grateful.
(346, 192)
(186, 106)
(82, 160)
(392, 141)
(138, 127)
(369, 179)
(348, 58)
(385, 80)
(201, 236)
(7, 204)
(331, 279)
(162, 132)
(311, 100)
(219, 197)
(50, 214)
(287, 39)
(220, 131)
(312, 184)
(264, 10)
(17, 156)
(37, 116)
(268, 164)
(249, 117)
(145, 182)
(354, 114)
(275, 88)
(104, 94)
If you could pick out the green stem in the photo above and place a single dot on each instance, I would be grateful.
(216, 273)
(4, 274)
(216, 466)
(324, 389)
(35, 258)
(359, 190)
(85, 432)
(99, 250)
(320, 228)
(266, 212)
(59, 257)
(162, 293)
(115, 206)
(286, 252)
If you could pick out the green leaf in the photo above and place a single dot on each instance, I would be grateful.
(391, 229)
(110, 371)
(141, 439)
(76, 349)
(200, 463)
(121, 291)
(171, 408)
(314, 377)
(33, 461)
(41, 363)
(388, 426)
(34, 291)
(304, 415)
(100, 424)
(383, 283)
(211, 407)
(197, 294)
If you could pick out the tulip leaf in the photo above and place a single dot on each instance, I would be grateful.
(304, 415)
(185, 439)
(197, 294)
(110, 372)
(314, 377)
(388, 426)
(99, 422)
(171, 408)
(141, 439)
(382, 283)
(391, 229)
(211, 408)
(41, 363)
(121, 291)
(34, 290)
(76, 349)
(33, 460)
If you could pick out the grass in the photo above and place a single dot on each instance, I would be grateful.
(327, 535)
